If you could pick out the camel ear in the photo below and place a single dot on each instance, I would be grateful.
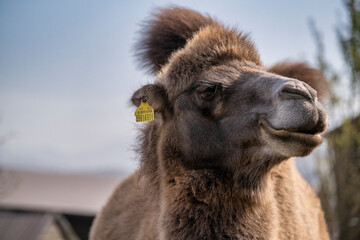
(155, 94)
(302, 72)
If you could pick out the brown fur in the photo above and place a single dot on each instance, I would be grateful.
(216, 162)
(172, 27)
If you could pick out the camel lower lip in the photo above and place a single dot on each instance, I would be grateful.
(309, 139)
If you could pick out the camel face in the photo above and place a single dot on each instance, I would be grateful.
(233, 107)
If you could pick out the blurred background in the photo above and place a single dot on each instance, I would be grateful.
(67, 130)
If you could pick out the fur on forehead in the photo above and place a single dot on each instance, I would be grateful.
(177, 44)
(211, 46)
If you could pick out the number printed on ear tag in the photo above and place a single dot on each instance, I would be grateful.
(144, 113)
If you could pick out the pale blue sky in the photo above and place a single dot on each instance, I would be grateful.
(67, 72)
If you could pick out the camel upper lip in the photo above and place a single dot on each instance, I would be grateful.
(314, 137)
(313, 131)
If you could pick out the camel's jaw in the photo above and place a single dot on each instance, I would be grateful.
(290, 142)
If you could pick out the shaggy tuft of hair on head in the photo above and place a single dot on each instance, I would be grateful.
(166, 32)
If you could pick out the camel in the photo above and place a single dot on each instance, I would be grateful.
(217, 161)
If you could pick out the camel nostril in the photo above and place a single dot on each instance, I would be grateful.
(293, 92)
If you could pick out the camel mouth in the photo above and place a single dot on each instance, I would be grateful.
(311, 138)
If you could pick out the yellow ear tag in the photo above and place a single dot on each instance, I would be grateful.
(144, 113)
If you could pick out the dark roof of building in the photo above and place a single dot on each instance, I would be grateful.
(55, 192)
(20, 226)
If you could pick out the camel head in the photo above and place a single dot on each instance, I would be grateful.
(216, 105)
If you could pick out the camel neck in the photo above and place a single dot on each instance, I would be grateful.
(201, 204)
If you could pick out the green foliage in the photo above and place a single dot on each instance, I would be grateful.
(330, 75)
(344, 144)
(350, 41)
(339, 187)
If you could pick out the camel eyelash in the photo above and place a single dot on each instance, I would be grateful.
(203, 86)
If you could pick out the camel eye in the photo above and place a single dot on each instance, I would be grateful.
(209, 92)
